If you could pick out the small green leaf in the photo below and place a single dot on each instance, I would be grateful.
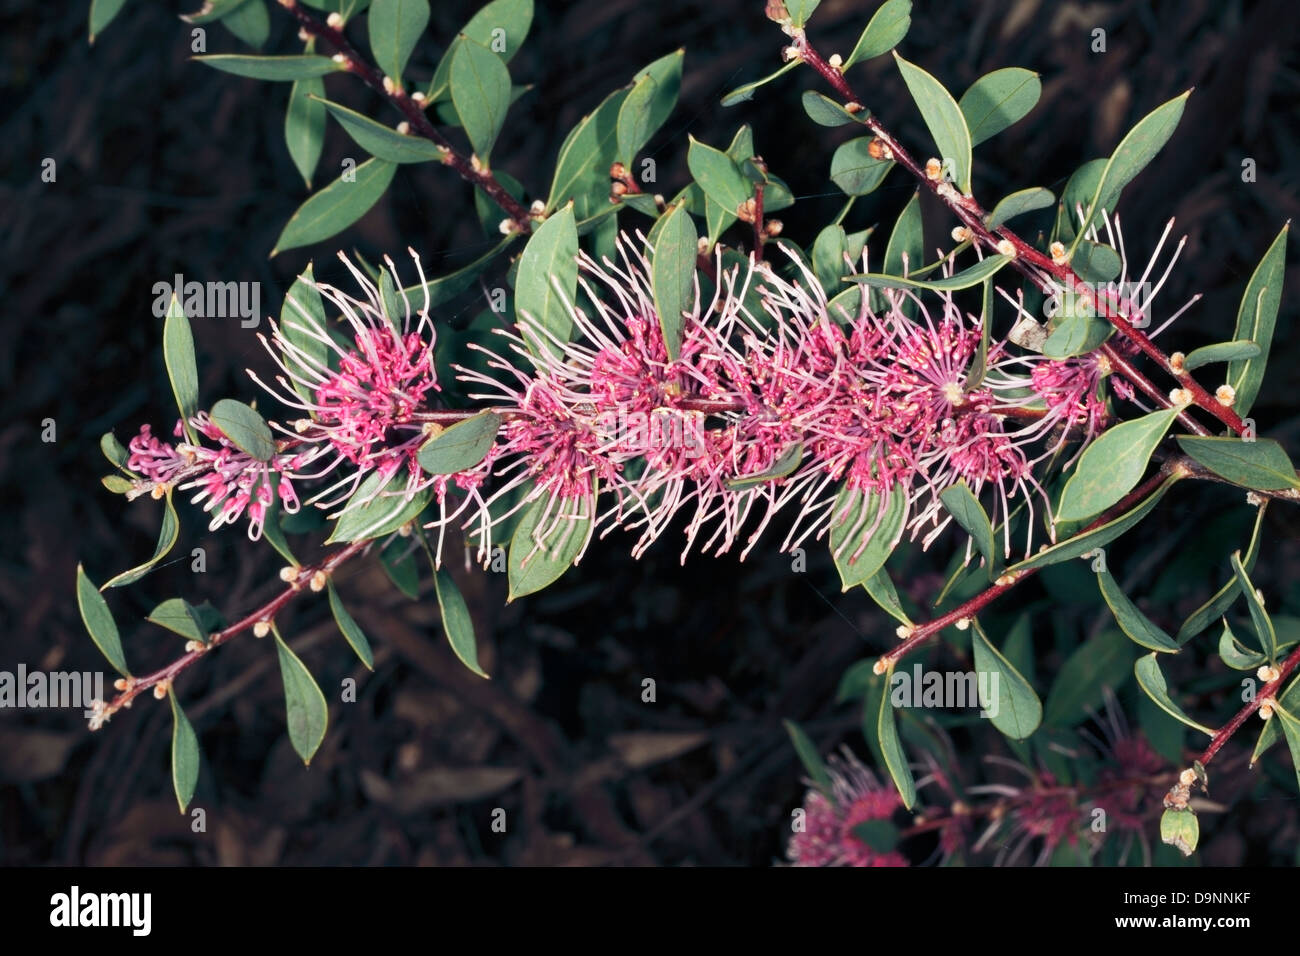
(1236, 656)
(718, 175)
(854, 170)
(1087, 541)
(284, 68)
(180, 617)
(102, 13)
(1291, 729)
(997, 100)
(1238, 350)
(113, 450)
(971, 276)
(456, 621)
(99, 622)
(1261, 464)
(1005, 696)
(892, 750)
(302, 326)
(785, 463)
(460, 447)
(742, 93)
(1180, 829)
(547, 282)
(1095, 262)
(182, 368)
(828, 251)
(905, 251)
(1289, 699)
(1256, 318)
(1112, 465)
(117, 484)
(966, 510)
(480, 91)
(586, 154)
(304, 125)
(1264, 630)
(672, 275)
(810, 758)
(1100, 662)
(1215, 607)
(1130, 619)
(250, 22)
(382, 141)
(856, 515)
(881, 589)
(538, 557)
(305, 708)
(395, 28)
(185, 754)
(824, 111)
(1077, 332)
(245, 428)
(800, 10)
(167, 536)
(885, 31)
(943, 118)
(350, 629)
(372, 512)
(1131, 156)
(337, 206)
(648, 105)
(1147, 670)
(1019, 203)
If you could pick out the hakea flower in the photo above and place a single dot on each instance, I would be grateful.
(827, 836)
(232, 482)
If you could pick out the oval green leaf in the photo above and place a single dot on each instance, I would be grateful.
(1112, 465)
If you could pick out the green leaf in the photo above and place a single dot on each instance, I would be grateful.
(672, 275)
(395, 27)
(302, 324)
(1130, 619)
(185, 754)
(182, 368)
(1112, 465)
(337, 206)
(385, 511)
(245, 428)
(1080, 544)
(284, 68)
(895, 759)
(648, 104)
(1180, 829)
(905, 252)
(1005, 695)
(800, 10)
(961, 280)
(113, 450)
(997, 100)
(852, 516)
(547, 282)
(167, 535)
(1077, 333)
(383, 142)
(102, 13)
(1261, 464)
(966, 510)
(99, 622)
(480, 91)
(1019, 203)
(1264, 630)
(1100, 662)
(718, 175)
(824, 111)
(1215, 607)
(211, 11)
(305, 708)
(742, 93)
(1131, 156)
(785, 463)
(456, 621)
(1291, 729)
(587, 152)
(304, 125)
(853, 169)
(1236, 656)
(537, 562)
(883, 592)
(943, 118)
(1240, 349)
(1289, 699)
(350, 629)
(250, 22)
(461, 446)
(810, 758)
(117, 484)
(180, 617)
(1095, 262)
(1078, 193)
(885, 31)
(1147, 670)
(1256, 318)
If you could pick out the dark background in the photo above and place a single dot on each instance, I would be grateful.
(165, 166)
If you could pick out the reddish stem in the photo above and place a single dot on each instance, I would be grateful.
(1268, 692)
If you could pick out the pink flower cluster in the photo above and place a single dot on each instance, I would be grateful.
(825, 833)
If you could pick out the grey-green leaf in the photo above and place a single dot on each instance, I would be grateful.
(785, 463)
(1261, 464)
(886, 29)
(302, 322)
(350, 629)
(1264, 630)
(1256, 318)
(944, 119)
(167, 536)
(305, 708)
(395, 27)
(381, 141)
(1222, 599)
(968, 277)
(997, 100)
(854, 170)
(648, 104)
(304, 125)
(1018, 203)
(1237, 350)
(456, 621)
(1005, 695)
(824, 111)
(1130, 618)
(1236, 656)
(718, 175)
(895, 759)
(1112, 465)
(967, 512)
(337, 206)
(282, 68)
(480, 91)
(742, 93)
(536, 562)
(245, 428)
(672, 275)
(852, 516)
(99, 622)
(547, 281)
(461, 446)
(182, 368)
(102, 13)
(385, 511)
(1151, 680)
(185, 754)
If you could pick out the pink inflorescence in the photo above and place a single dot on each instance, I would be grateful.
(826, 832)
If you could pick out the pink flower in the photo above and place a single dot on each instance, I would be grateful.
(827, 836)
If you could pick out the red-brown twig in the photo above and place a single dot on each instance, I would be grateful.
(1268, 692)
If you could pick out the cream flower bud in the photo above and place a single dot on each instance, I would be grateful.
(261, 628)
